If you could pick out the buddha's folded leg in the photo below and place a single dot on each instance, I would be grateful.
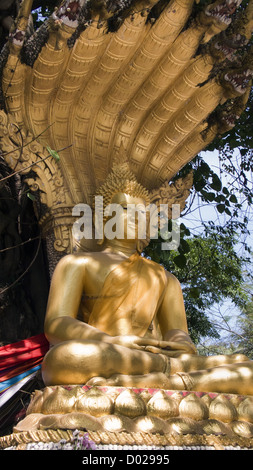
(151, 380)
(230, 378)
(189, 362)
(76, 362)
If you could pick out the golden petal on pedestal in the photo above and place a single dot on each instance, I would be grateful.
(52, 421)
(222, 409)
(37, 400)
(207, 399)
(72, 420)
(116, 423)
(95, 402)
(29, 423)
(184, 426)
(177, 396)
(145, 395)
(76, 421)
(213, 426)
(59, 401)
(236, 400)
(128, 403)
(162, 405)
(150, 424)
(245, 410)
(242, 428)
(112, 392)
(193, 407)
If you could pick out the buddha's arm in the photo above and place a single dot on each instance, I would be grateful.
(66, 290)
(61, 322)
(172, 317)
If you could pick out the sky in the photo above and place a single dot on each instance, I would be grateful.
(207, 213)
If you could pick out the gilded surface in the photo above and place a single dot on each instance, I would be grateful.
(117, 439)
(90, 89)
(117, 318)
(123, 295)
(114, 318)
(149, 411)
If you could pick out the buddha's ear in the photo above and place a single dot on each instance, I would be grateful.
(141, 245)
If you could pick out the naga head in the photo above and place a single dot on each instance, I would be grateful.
(229, 43)
(221, 11)
(236, 80)
(68, 12)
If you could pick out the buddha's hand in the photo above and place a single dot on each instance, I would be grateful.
(176, 348)
(168, 348)
(178, 342)
(136, 342)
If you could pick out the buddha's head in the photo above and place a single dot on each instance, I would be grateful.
(121, 188)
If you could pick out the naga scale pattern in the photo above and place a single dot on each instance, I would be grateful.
(159, 78)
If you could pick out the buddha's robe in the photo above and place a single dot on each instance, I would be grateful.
(130, 298)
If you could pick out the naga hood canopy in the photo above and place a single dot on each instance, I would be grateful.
(160, 79)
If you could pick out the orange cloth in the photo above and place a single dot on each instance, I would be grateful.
(130, 297)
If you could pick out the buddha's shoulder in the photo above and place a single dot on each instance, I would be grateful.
(156, 267)
(78, 259)
(159, 268)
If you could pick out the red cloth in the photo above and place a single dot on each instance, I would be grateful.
(13, 371)
(31, 349)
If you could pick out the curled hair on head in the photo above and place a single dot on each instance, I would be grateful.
(121, 180)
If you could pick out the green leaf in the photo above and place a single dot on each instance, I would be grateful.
(243, 151)
(228, 211)
(185, 230)
(205, 168)
(200, 184)
(194, 292)
(180, 261)
(225, 191)
(54, 154)
(208, 196)
(220, 208)
(216, 183)
(233, 199)
(31, 196)
(220, 198)
(184, 246)
(155, 257)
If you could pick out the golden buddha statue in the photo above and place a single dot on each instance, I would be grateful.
(116, 318)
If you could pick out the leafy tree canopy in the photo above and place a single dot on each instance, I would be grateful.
(212, 272)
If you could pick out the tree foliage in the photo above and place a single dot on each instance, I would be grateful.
(23, 278)
(212, 272)
(244, 339)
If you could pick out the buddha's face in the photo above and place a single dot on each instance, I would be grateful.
(131, 216)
